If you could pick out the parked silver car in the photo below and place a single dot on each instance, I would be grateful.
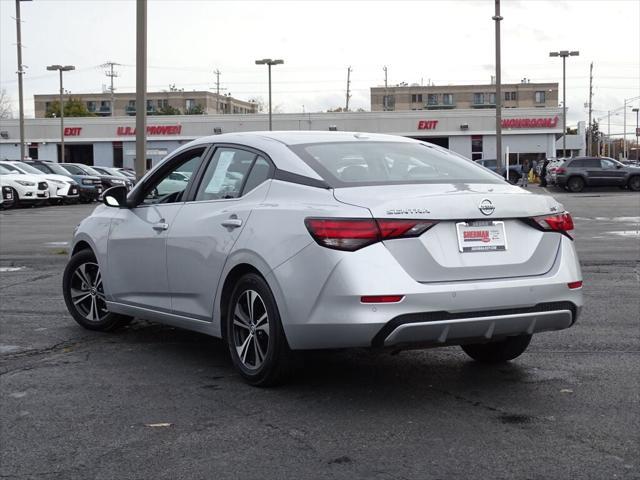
(286, 241)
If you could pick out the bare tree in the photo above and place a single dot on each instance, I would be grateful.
(5, 105)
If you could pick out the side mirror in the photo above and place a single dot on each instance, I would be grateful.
(618, 165)
(115, 197)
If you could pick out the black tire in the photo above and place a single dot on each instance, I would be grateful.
(575, 184)
(634, 183)
(85, 300)
(498, 352)
(244, 328)
(16, 200)
(513, 177)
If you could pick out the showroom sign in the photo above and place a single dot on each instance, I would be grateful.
(151, 130)
(427, 124)
(549, 122)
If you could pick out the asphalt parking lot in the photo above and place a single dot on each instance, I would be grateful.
(153, 402)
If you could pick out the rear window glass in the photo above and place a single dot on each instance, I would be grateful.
(344, 164)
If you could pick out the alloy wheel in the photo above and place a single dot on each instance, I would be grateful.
(251, 329)
(87, 293)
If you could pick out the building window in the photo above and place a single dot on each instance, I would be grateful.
(416, 98)
(492, 99)
(478, 98)
(105, 106)
(432, 99)
(150, 106)
(447, 99)
(162, 103)
(190, 103)
(514, 96)
(388, 102)
(91, 106)
(131, 107)
(539, 97)
(476, 147)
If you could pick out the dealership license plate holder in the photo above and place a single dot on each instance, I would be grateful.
(487, 236)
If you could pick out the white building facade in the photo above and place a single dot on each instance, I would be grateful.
(529, 133)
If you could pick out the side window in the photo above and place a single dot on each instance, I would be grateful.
(577, 164)
(607, 164)
(225, 174)
(260, 172)
(170, 188)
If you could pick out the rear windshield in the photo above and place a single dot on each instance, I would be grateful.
(346, 164)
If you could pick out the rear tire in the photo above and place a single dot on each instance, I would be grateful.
(500, 351)
(575, 184)
(634, 183)
(83, 293)
(254, 334)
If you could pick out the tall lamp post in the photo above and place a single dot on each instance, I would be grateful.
(497, 18)
(637, 133)
(564, 54)
(20, 74)
(61, 69)
(268, 62)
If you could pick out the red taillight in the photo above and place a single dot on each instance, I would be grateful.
(574, 285)
(561, 222)
(381, 298)
(353, 233)
(561, 170)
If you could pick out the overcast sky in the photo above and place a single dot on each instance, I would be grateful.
(443, 42)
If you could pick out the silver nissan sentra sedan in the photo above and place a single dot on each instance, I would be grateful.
(286, 241)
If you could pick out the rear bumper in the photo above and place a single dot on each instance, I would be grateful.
(324, 310)
(442, 328)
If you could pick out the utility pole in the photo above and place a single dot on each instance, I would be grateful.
(624, 130)
(497, 18)
(385, 76)
(141, 87)
(20, 73)
(346, 108)
(589, 131)
(608, 130)
(111, 73)
(217, 74)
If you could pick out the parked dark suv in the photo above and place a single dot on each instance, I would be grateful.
(576, 173)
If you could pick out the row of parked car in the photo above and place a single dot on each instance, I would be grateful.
(40, 182)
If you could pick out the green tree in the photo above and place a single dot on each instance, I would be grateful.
(167, 110)
(195, 110)
(72, 108)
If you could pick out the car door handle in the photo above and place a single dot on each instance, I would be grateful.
(160, 227)
(232, 222)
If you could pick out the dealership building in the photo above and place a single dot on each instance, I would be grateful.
(528, 133)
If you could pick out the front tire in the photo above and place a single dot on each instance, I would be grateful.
(254, 334)
(500, 351)
(83, 293)
(634, 183)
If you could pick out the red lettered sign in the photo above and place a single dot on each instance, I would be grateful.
(549, 122)
(151, 130)
(72, 131)
(427, 124)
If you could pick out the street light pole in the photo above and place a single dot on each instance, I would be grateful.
(20, 74)
(564, 54)
(268, 62)
(141, 87)
(637, 133)
(61, 69)
(497, 18)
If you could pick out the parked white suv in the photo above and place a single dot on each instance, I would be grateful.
(25, 189)
(60, 187)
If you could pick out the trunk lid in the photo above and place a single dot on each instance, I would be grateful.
(435, 256)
